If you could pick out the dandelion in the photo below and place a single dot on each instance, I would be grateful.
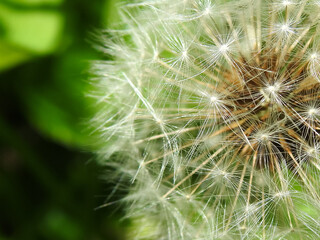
(210, 118)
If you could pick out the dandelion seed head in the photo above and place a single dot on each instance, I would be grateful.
(311, 151)
(273, 88)
(210, 117)
(185, 54)
(214, 99)
(224, 48)
(207, 11)
(285, 28)
(264, 137)
(314, 56)
(286, 3)
(312, 112)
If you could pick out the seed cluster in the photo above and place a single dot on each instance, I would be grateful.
(210, 118)
(276, 104)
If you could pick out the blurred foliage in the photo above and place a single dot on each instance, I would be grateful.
(48, 180)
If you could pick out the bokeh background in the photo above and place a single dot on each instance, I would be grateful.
(50, 185)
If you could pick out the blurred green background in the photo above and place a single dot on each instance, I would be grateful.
(50, 185)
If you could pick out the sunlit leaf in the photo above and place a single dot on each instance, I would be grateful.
(35, 2)
(35, 30)
(111, 16)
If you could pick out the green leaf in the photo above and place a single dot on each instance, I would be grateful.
(35, 2)
(11, 56)
(54, 121)
(59, 225)
(34, 30)
(111, 15)
(57, 107)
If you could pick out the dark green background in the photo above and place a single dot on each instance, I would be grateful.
(50, 184)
